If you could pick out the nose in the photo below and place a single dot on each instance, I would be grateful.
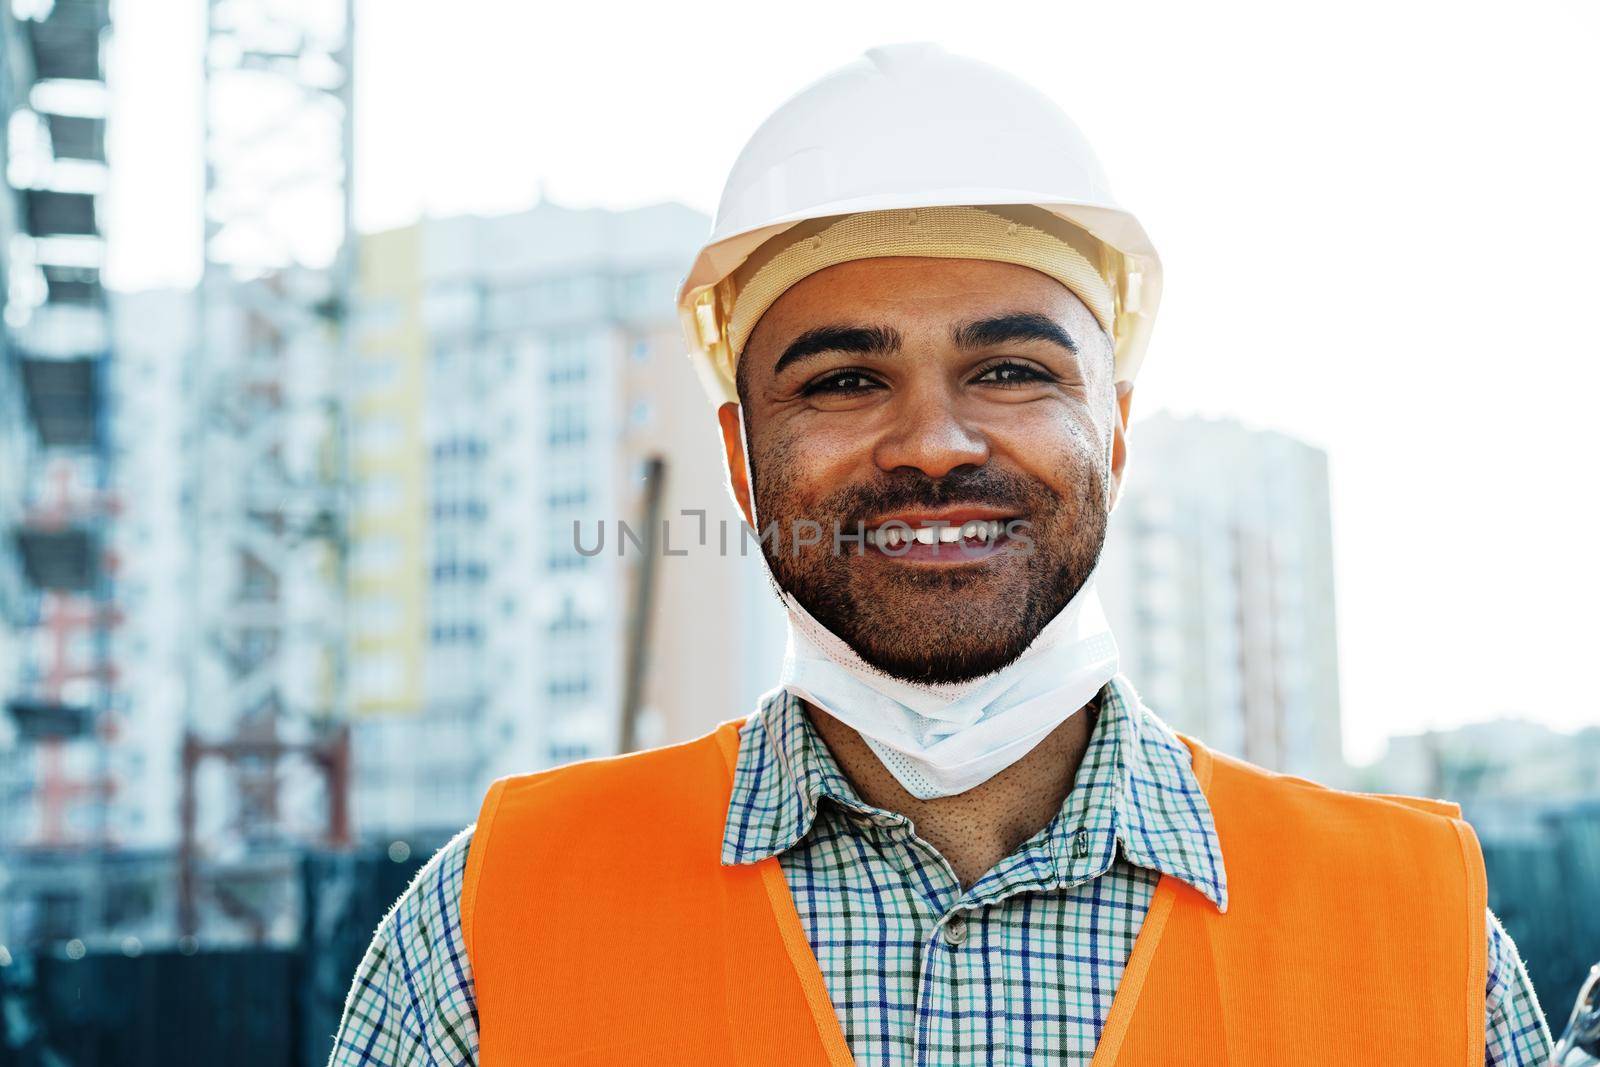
(928, 433)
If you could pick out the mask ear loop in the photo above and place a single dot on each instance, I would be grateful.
(784, 597)
(1111, 455)
(749, 476)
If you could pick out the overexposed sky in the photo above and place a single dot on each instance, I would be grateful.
(1379, 221)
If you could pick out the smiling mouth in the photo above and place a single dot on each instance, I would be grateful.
(897, 535)
(945, 540)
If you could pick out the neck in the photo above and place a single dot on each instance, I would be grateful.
(974, 830)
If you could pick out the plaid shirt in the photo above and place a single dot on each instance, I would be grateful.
(1020, 967)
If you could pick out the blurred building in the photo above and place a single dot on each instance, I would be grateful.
(265, 751)
(1533, 797)
(1218, 580)
(1505, 772)
(153, 342)
(16, 430)
(61, 735)
(512, 378)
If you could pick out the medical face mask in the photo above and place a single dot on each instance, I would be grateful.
(942, 739)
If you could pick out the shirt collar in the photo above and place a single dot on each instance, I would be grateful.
(1135, 789)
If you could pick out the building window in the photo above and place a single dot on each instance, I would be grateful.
(566, 558)
(569, 622)
(567, 427)
(568, 373)
(572, 686)
(456, 570)
(572, 497)
(474, 510)
(566, 753)
(459, 446)
(456, 633)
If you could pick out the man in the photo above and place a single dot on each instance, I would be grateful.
(953, 834)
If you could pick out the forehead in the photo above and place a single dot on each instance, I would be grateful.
(912, 292)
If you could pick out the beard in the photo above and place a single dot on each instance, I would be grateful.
(945, 623)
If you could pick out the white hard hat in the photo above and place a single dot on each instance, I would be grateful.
(913, 126)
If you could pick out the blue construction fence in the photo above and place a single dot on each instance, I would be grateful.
(1545, 887)
(249, 1007)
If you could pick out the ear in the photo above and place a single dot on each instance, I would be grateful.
(1119, 444)
(729, 418)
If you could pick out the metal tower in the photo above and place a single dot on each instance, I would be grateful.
(53, 350)
(268, 455)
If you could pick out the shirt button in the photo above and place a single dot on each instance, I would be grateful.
(955, 930)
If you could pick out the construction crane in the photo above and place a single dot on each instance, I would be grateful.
(267, 480)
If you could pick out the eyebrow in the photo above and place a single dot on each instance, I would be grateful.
(885, 340)
(1014, 326)
(860, 340)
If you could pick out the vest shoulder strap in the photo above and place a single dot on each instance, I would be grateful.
(1355, 922)
(602, 927)
(596, 808)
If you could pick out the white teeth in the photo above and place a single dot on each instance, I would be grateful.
(976, 530)
(889, 537)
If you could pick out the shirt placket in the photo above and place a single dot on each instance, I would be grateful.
(952, 1026)
(939, 1040)
(956, 1017)
(943, 925)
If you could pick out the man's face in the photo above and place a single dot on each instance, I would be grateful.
(920, 393)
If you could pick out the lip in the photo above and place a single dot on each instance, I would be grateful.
(951, 516)
(958, 554)
(943, 554)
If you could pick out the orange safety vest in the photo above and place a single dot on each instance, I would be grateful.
(603, 928)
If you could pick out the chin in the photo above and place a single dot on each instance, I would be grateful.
(938, 658)
(935, 629)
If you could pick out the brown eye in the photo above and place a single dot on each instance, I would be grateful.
(1012, 373)
(846, 381)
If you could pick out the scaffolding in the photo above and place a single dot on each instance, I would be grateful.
(60, 705)
(267, 478)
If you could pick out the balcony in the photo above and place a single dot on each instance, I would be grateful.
(41, 720)
(63, 397)
(60, 560)
(67, 43)
(57, 214)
